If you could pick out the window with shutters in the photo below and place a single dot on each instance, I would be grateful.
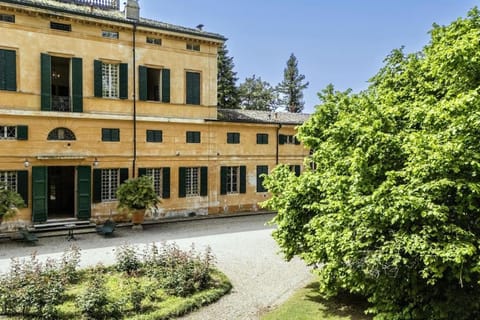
(192, 182)
(154, 136)
(110, 134)
(233, 137)
(193, 137)
(262, 138)
(154, 84)
(8, 132)
(232, 179)
(157, 175)
(193, 88)
(110, 84)
(288, 139)
(8, 70)
(261, 172)
(8, 179)
(110, 183)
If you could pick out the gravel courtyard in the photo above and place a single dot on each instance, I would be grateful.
(243, 246)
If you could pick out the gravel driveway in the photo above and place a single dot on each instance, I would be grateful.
(243, 246)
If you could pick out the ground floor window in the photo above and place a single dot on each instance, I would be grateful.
(261, 172)
(157, 175)
(8, 179)
(192, 178)
(193, 182)
(110, 183)
(233, 180)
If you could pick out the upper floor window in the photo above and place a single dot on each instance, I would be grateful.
(61, 134)
(110, 34)
(60, 26)
(110, 134)
(110, 79)
(154, 136)
(155, 41)
(13, 132)
(288, 139)
(193, 87)
(7, 18)
(262, 138)
(193, 46)
(154, 84)
(8, 70)
(193, 136)
(233, 137)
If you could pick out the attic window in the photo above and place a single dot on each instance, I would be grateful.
(60, 26)
(156, 41)
(7, 18)
(193, 46)
(110, 34)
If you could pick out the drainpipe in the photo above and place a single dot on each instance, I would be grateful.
(277, 146)
(134, 102)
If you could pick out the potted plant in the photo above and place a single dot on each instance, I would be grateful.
(10, 201)
(136, 195)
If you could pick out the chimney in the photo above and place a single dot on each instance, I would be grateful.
(132, 10)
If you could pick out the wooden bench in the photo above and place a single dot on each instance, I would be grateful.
(106, 228)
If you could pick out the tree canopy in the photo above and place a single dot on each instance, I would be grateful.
(227, 91)
(256, 94)
(292, 86)
(392, 209)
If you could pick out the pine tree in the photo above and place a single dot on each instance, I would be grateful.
(227, 91)
(256, 94)
(291, 88)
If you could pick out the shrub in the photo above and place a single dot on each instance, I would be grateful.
(127, 259)
(93, 303)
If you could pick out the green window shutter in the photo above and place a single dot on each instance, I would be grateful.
(97, 79)
(166, 85)
(106, 134)
(123, 78)
(142, 172)
(8, 70)
(243, 179)
(230, 137)
(77, 84)
(22, 132)
(260, 171)
(22, 185)
(150, 135)
(282, 139)
(97, 185)
(297, 170)
(84, 182)
(39, 194)
(115, 134)
(193, 88)
(182, 192)
(166, 183)
(46, 82)
(123, 175)
(142, 83)
(297, 142)
(158, 136)
(204, 181)
(223, 180)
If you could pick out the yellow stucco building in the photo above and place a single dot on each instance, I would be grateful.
(91, 95)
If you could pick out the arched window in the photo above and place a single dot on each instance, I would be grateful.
(61, 134)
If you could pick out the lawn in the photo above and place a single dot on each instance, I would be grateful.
(306, 304)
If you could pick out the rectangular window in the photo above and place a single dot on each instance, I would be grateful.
(8, 70)
(110, 34)
(192, 182)
(154, 84)
(193, 46)
(155, 41)
(109, 134)
(296, 168)
(8, 132)
(233, 178)
(7, 18)
(262, 138)
(157, 175)
(288, 139)
(193, 136)
(261, 171)
(154, 136)
(8, 179)
(60, 26)
(110, 183)
(110, 74)
(233, 137)
(193, 88)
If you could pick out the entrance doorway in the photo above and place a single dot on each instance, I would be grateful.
(61, 192)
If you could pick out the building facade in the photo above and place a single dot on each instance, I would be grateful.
(91, 96)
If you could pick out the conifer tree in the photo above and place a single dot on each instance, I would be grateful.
(256, 94)
(227, 91)
(292, 86)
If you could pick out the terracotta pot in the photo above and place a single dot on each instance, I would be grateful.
(138, 216)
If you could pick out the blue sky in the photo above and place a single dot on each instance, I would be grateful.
(343, 42)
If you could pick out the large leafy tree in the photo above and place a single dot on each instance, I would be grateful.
(256, 94)
(392, 209)
(292, 86)
(227, 91)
